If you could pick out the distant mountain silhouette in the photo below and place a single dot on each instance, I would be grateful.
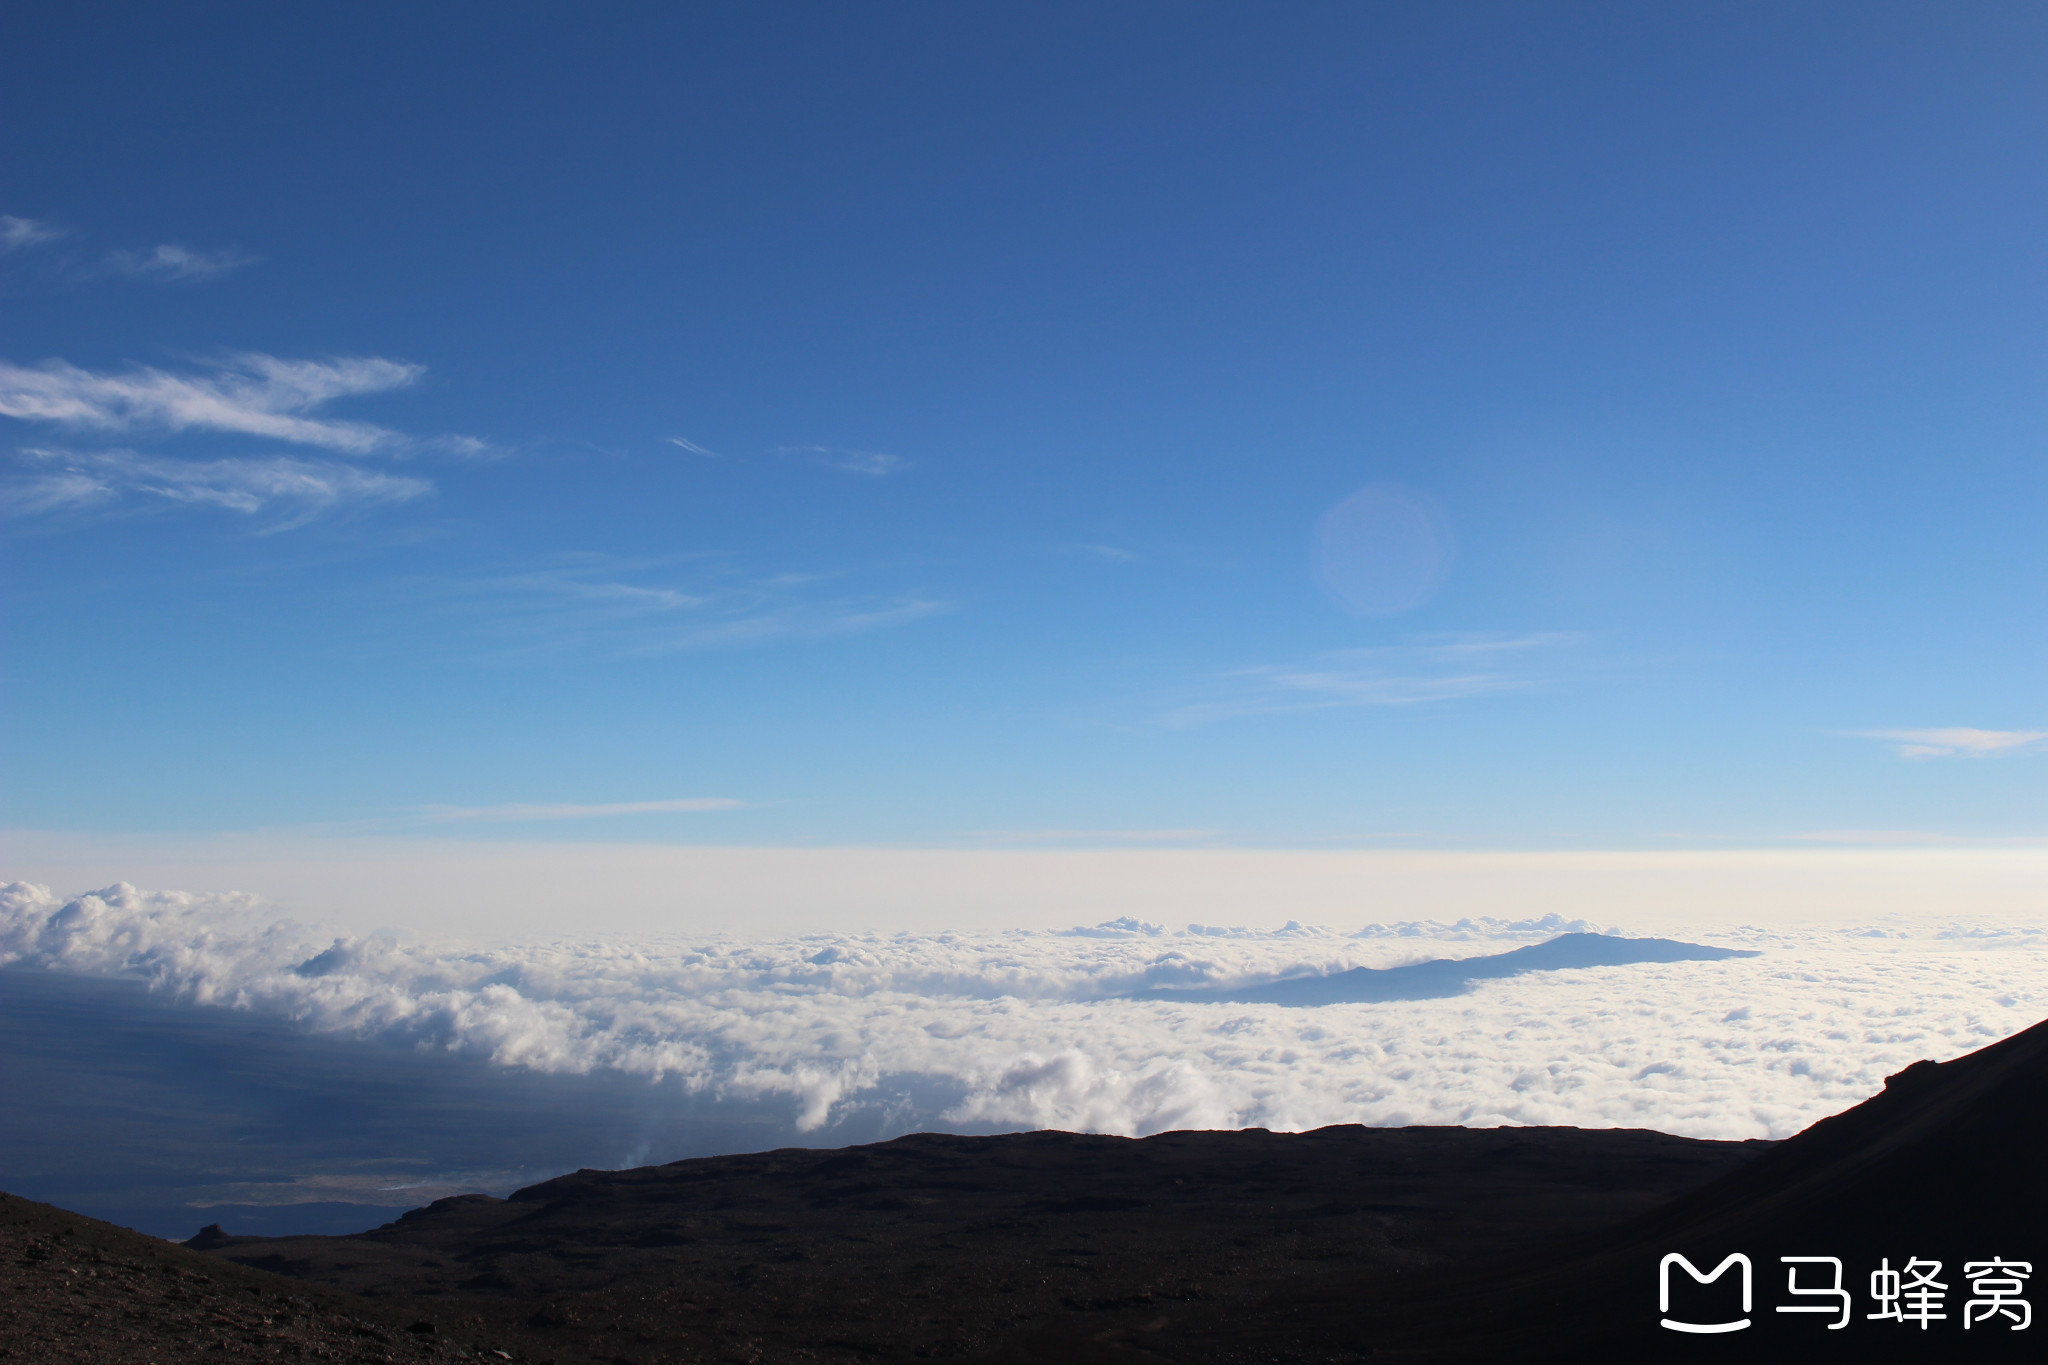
(1440, 977)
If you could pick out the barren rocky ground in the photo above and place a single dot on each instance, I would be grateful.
(1206, 1248)
(81, 1292)
(939, 1247)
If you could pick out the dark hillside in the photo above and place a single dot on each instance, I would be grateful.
(942, 1247)
(1942, 1165)
(76, 1290)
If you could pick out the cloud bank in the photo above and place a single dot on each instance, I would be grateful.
(1017, 1030)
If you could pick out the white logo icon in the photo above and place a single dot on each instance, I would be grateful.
(1733, 1258)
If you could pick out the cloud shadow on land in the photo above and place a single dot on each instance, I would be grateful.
(159, 1115)
(1441, 977)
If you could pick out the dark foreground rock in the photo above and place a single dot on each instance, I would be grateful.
(76, 1290)
(1028, 1246)
(1344, 1244)
(1942, 1166)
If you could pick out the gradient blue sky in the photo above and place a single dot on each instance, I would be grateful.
(913, 424)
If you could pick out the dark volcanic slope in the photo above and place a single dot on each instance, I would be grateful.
(76, 1290)
(1944, 1164)
(1042, 1245)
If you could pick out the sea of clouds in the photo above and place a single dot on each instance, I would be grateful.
(1034, 1028)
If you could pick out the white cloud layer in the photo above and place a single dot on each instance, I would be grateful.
(255, 395)
(286, 490)
(1960, 741)
(1013, 1028)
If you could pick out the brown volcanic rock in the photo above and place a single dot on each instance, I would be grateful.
(73, 1289)
(1026, 1246)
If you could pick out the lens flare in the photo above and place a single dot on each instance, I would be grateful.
(1383, 550)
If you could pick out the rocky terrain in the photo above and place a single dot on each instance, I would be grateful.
(940, 1247)
(78, 1292)
(1341, 1244)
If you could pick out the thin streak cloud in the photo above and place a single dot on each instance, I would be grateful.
(1417, 674)
(1086, 836)
(19, 234)
(870, 463)
(174, 263)
(1959, 742)
(1917, 838)
(291, 490)
(253, 395)
(517, 812)
(609, 604)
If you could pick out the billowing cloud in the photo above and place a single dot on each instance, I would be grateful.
(1434, 670)
(1960, 741)
(254, 395)
(287, 490)
(1029, 1029)
(172, 262)
(573, 812)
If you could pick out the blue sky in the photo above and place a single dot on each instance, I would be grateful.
(1351, 425)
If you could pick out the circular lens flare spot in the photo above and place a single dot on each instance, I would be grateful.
(1382, 550)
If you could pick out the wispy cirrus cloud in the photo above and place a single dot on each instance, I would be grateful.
(252, 395)
(1095, 836)
(1959, 742)
(870, 463)
(20, 234)
(1108, 554)
(1916, 838)
(692, 446)
(167, 262)
(1434, 670)
(287, 490)
(171, 262)
(524, 812)
(611, 603)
